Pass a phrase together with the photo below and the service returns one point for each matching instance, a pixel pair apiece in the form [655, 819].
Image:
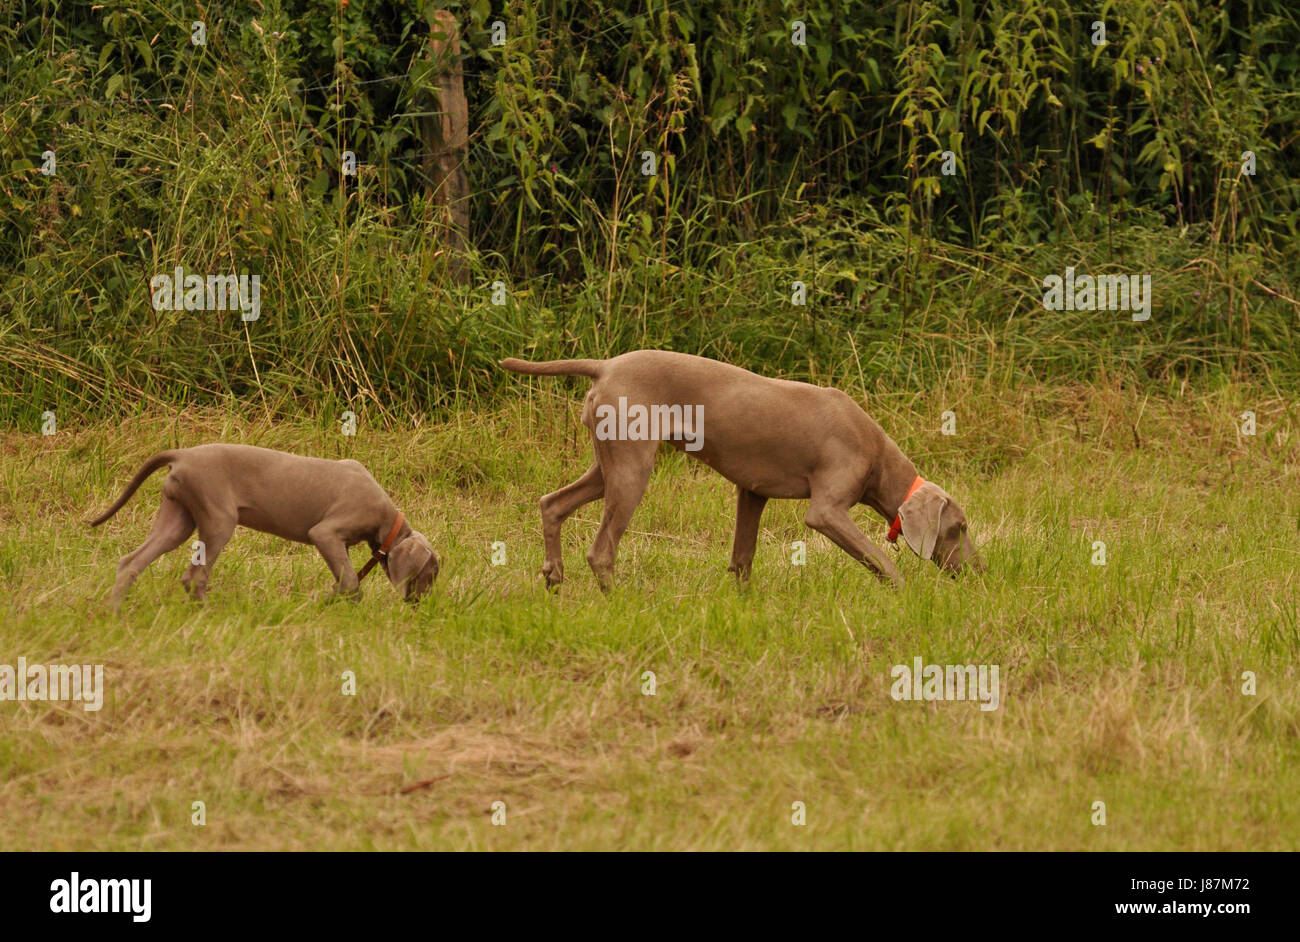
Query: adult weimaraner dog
[330, 504]
[772, 438]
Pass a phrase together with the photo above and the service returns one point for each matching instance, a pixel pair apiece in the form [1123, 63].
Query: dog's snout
[970, 560]
[961, 557]
[419, 585]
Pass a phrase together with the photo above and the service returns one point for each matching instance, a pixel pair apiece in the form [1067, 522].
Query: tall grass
[1121, 683]
[776, 163]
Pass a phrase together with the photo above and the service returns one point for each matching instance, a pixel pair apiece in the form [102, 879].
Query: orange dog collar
[896, 527]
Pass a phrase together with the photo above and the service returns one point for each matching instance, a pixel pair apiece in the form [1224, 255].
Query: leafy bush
[775, 163]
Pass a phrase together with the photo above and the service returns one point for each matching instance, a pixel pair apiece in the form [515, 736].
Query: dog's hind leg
[626, 467]
[556, 508]
[214, 532]
[170, 528]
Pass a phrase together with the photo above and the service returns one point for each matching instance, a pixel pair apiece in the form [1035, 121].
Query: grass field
[1121, 683]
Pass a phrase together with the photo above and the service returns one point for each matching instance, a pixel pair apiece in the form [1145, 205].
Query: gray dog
[772, 438]
[330, 504]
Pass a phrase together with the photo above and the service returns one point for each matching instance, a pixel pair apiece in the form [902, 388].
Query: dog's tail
[149, 467]
[592, 368]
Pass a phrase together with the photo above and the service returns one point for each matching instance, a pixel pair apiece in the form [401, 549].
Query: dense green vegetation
[775, 163]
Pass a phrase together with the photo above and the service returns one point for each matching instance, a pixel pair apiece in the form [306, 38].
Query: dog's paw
[553, 573]
[742, 573]
[338, 595]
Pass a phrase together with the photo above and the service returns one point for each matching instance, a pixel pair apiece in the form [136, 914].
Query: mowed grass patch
[1120, 683]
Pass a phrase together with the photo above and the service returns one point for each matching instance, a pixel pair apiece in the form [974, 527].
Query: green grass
[1120, 683]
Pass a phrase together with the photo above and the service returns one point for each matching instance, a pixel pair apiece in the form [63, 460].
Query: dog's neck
[385, 529]
[893, 479]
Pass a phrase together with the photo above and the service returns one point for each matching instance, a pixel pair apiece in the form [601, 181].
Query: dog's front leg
[335, 553]
[834, 521]
[749, 507]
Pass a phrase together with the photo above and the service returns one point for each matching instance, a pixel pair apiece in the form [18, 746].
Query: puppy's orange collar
[896, 527]
[384, 547]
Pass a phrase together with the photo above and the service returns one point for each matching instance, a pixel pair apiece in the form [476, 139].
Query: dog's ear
[412, 565]
[920, 515]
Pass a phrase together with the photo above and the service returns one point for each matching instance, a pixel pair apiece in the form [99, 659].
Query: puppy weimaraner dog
[772, 438]
[330, 504]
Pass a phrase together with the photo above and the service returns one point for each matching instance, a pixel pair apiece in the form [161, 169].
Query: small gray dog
[330, 504]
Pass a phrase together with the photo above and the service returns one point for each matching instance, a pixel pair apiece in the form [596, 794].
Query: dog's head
[935, 527]
[413, 565]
